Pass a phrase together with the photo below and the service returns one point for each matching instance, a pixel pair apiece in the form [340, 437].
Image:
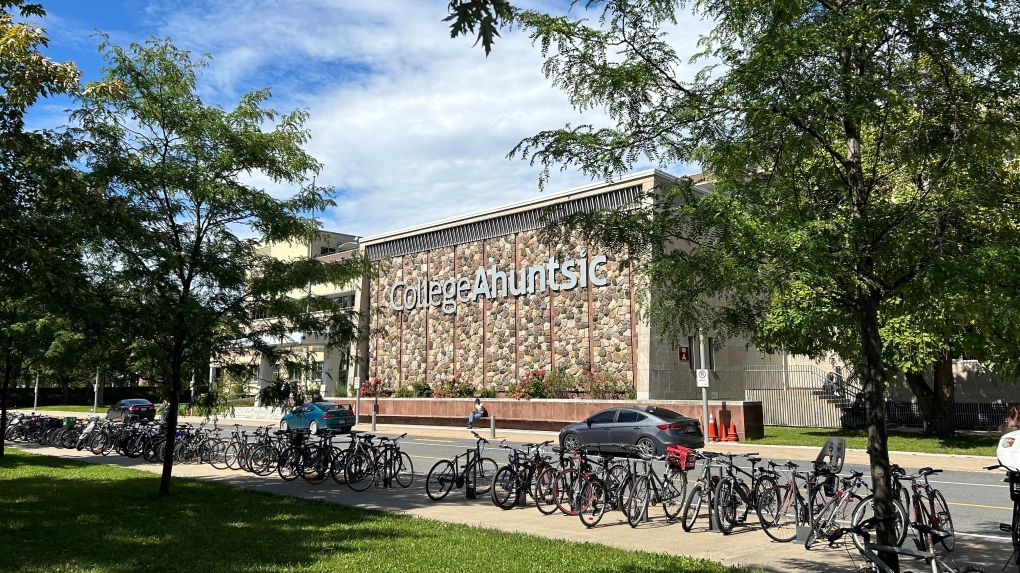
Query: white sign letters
[489, 283]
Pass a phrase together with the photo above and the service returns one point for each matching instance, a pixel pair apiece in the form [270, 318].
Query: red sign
[685, 353]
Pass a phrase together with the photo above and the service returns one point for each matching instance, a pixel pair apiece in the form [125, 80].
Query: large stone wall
[494, 342]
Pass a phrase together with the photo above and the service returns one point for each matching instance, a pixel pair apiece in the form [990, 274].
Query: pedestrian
[164, 410]
[478, 412]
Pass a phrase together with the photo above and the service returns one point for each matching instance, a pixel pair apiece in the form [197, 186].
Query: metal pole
[35, 405]
[373, 421]
[95, 390]
[357, 389]
[704, 391]
[492, 427]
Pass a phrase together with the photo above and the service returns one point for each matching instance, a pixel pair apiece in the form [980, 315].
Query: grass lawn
[900, 441]
[82, 409]
[66, 516]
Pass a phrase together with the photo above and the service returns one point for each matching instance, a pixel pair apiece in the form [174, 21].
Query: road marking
[992, 537]
[978, 505]
[977, 484]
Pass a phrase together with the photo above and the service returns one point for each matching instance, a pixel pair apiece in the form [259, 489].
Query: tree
[38, 191]
[185, 257]
[850, 146]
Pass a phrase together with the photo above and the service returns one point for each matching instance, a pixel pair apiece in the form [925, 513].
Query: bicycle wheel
[360, 470]
[316, 464]
[944, 519]
[565, 491]
[762, 485]
[217, 455]
[728, 504]
[593, 500]
[440, 480]
[692, 507]
[486, 469]
[637, 507]
[289, 464]
[230, 456]
[777, 513]
[339, 466]
[404, 470]
[616, 477]
[674, 493]
[544, 490]
[626, 490]
[504, 488]
[261, 460]
[866, 509]
[824, 522]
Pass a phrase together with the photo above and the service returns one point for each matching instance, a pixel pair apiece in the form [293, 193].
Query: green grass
[66, 516]
[82, 409]
[900, 441]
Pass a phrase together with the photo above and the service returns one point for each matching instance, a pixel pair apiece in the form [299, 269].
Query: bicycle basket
[680, 458]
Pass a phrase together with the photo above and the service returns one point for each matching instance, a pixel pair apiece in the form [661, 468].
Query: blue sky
[411, 126]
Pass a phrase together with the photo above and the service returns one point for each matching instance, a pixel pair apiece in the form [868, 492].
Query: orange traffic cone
[731, 436]
[713, 436]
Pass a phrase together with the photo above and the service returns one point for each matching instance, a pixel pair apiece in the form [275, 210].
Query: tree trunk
[8, 374]
[873, 379]
[171, 420]
[938, 404]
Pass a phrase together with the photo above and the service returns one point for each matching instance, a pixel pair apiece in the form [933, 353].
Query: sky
[410, 125]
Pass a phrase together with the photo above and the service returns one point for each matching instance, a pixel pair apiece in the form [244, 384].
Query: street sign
[357, 384]
[702, 378]
[684, 353]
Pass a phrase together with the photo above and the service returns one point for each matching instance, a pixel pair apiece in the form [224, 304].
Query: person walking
[164, 410]
[478, 412]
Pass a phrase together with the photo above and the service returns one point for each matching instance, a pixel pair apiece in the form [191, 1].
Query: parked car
[318, 415]
[140, 407]
[1008, 451]
[650, 428]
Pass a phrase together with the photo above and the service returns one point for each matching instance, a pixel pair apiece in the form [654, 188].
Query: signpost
[702, 378]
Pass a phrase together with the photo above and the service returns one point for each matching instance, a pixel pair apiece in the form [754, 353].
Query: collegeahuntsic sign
[553, 275]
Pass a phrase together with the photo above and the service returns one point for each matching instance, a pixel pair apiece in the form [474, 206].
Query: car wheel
[284, 426]
[313, 428]
[571, 441]
[647, 446]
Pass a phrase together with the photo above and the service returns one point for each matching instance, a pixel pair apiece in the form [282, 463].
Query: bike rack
[472, 475]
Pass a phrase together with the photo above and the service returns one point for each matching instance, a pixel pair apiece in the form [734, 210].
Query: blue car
[318, 415]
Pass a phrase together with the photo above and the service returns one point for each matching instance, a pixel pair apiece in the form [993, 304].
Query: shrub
[374, 388]
[489, 392]
[559, 383]
[531, 386]
[602, 385]
[452, 388]
[422, 390]
[404, 392]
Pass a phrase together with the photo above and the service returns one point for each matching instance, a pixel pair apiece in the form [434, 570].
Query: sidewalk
[746, 546]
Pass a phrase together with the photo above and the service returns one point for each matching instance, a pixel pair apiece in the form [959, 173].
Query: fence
[802, 396]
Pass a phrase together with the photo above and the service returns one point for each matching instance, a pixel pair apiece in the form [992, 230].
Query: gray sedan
[650, 428]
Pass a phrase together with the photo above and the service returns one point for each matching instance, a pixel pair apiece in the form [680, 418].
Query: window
[606, 417]
[630, 417]
[317, 370]
[343, 301]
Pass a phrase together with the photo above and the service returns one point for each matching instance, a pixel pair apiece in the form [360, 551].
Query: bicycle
[448, 473]
[394, 464]
[835, 510]
[1013, 476]
[934, 513]
[861, 534]
[520, 475]
[783, 508]
[734, 498]
[648, 488]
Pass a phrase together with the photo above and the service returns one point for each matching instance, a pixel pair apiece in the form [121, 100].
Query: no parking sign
[702, 378]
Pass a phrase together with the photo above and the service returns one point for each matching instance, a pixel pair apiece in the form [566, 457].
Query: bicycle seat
[791, 465]
[753, 459]
[936, 534]
[855, 474]
[927, 471]
[558, 450]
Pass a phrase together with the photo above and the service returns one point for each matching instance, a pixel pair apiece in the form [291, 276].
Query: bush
[404, 392]
[374, 388]
[452, 388]
[489, 392]
[422, 390]
[529, 387]
[559, 384]
[602, 385]
[341, 391]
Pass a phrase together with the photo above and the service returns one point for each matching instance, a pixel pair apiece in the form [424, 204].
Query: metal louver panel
[500, 226]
